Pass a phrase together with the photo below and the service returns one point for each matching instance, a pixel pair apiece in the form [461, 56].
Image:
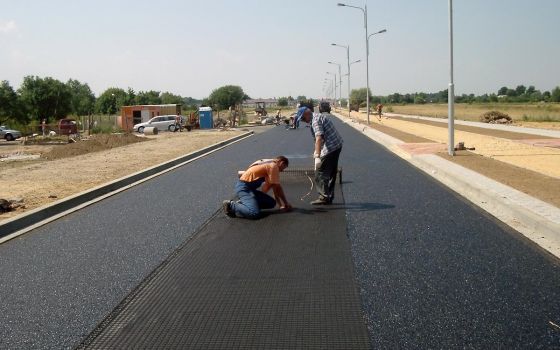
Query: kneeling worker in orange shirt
[265, 172]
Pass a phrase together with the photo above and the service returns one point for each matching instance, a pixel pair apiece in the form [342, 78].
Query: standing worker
[379, 109]
[328, 145]
[178, 122]
[265, 172]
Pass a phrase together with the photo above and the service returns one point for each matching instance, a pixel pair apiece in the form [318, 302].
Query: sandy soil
[534, 170]
[64, 170]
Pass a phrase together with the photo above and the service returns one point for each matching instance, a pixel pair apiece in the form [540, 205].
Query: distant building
[270, 102]
[131, 115]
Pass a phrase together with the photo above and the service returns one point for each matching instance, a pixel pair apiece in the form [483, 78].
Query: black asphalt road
[434, 271]
[285, 281]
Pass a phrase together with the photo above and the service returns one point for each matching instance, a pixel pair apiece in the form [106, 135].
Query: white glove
[317, 163]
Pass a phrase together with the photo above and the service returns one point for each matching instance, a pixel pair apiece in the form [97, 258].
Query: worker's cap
[300, 112]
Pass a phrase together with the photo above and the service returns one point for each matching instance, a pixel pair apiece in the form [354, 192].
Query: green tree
[536, 96]
[148, 98]
[395, 98]
[45, 98]
[511, 93]
[358, 97]
[555, 94]
[520, 90]
[130, 97]
[111, 100]
[420, 99]
[9, 105]
[503, 91]
[82, 99]
[169, 98]
[282, 101]
[227, 96]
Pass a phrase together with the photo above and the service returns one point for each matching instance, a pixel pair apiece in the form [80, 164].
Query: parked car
[9, 134]
[162, 122]
[67, 127]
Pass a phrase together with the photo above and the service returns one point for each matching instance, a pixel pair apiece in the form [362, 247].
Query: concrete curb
[40, 216]
[535, 219]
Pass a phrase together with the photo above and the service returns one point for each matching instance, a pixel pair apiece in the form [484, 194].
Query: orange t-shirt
[263, 168]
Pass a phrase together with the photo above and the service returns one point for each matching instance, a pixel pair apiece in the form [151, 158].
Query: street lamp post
[451, 90]
[334, 84]
[339, 80]
[347, 47]
[364, 10]
[372, 34]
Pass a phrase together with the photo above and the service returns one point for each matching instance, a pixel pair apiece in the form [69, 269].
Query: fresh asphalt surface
[434, 271]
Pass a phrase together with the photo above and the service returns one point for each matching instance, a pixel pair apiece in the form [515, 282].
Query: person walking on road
[379, 109]
[252, 201]
[328, 145]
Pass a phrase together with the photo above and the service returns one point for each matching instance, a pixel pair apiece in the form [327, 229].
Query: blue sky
[280, 48]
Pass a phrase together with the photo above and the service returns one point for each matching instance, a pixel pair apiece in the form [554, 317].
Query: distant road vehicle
[67, 127]
[162, 122]
[9, 134]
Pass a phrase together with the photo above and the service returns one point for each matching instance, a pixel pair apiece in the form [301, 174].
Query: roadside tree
[9, 105]
[46, 98]
[111, 100]
[555, 94]
[169, 98]
[151, 97]
[82, 99]
[227, 96]
[358, 97]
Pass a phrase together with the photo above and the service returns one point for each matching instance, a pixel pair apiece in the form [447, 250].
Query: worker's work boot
[321, 201]
[226, 205]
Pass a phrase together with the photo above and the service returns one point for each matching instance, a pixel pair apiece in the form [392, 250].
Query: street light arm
[355, 7]
[379, 32]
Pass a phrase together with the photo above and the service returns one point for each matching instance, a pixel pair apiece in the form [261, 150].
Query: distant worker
[252, 201]
[328, 145]
[278, 116]
[178, 122]
[379, 109]
[299, 115]
[44, 126]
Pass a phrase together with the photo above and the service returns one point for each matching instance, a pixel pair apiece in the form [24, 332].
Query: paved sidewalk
[534, 218]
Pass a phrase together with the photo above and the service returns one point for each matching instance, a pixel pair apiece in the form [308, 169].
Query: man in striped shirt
[328, 145]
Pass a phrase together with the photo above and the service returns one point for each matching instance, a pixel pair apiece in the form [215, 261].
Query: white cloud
[6, 27]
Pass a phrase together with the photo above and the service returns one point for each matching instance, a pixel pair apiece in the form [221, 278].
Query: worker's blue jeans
[251, 200]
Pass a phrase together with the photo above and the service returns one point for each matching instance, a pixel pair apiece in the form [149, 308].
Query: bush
[495, 117]
[103, 129]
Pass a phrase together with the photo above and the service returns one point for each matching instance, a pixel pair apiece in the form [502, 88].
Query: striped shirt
[323, 126]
